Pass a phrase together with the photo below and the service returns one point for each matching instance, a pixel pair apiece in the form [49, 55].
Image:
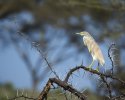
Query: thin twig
[110, 57]
[22, 96]
[108, 86]
[50, 67]
[65, 96]
[39, 50]
[120, 97]
[37, 47]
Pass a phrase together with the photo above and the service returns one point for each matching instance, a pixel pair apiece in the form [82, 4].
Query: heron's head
[84, 33]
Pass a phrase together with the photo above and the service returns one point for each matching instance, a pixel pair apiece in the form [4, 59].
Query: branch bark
[64, 85]
[93, 72]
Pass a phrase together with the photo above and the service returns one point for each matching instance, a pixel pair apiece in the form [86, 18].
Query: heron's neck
[84, 37]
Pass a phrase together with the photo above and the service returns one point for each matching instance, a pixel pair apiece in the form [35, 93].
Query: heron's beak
[77, 33]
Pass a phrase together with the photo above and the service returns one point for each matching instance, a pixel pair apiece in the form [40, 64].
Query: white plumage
[92, 47]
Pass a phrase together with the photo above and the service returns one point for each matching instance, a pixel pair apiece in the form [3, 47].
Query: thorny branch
[120, 97]
[110, 57]
[37, 47]
[93, 72]
[108, 86]
[43, 94]
[50, 67]
[68, 87]
[22, 96]
[101, 75]
[64, 85]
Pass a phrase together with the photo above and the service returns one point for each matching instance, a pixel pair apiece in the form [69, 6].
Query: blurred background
[51, 25]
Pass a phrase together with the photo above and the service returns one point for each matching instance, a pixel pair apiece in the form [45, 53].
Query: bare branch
[22, 96]
[120, 97]
[45, 91]
[37, 47]
[64, 85]
[93, 72]
[108, 86]
[50, 67]
[110, 56]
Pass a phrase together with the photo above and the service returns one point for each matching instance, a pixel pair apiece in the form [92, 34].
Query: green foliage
[6, 90]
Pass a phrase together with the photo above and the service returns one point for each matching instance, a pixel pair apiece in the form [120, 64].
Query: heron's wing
[88, 41]
[98, 54]
[94, 49]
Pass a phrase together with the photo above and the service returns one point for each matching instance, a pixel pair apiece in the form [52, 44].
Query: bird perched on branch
[93, 48]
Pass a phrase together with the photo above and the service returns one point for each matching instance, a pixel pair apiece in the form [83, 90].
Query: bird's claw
[97, 69]
[89, 67]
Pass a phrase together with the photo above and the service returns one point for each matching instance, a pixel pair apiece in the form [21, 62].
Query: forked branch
[93, 72]
[64, 85]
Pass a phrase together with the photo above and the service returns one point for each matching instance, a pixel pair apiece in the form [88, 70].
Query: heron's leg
[90, 66]
[97, 68]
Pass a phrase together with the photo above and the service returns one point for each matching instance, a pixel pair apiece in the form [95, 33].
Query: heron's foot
[89, 67]
[97, 69]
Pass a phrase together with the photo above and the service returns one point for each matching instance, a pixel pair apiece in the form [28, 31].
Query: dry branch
[108, 86]
[22, 96]
[93, 72]
[69, 88]
[62, 84]
[120, 97]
